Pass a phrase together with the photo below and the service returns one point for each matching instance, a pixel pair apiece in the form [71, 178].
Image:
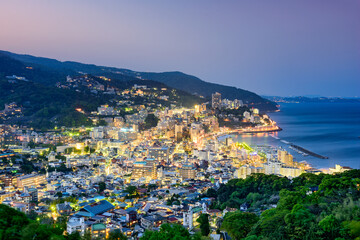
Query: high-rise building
[216, 100]
[285, 157]
[178, 132]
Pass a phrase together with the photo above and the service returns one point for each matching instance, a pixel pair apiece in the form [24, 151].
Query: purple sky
[278, 47]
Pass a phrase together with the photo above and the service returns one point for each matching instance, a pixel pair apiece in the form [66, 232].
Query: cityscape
[95, 152]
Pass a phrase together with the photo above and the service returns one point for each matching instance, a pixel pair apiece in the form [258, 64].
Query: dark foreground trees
[169, 232]
[308, 207]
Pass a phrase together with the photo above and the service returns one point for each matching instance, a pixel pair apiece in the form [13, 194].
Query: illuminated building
[272, 167]
[290, 172]
[216, 100]
[247, 170]
[5, 195]
[31, 180]
[145, 169]
[178, 132]
[187, 172]
[75, 224]
[285, 157]
[196, 131]
[339, 169]
[97, 133]
[152, 221]
[99, 231]
[159, 153]
[9, 180]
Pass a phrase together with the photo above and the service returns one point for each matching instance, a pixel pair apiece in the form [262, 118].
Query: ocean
[328, 129]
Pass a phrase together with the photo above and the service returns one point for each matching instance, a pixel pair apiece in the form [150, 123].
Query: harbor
[299, 149]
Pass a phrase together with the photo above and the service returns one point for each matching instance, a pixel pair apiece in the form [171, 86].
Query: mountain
[40, 97]
[178, 80]
[185, 82]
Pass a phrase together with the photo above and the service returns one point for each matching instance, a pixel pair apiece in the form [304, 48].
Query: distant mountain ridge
[56, 71]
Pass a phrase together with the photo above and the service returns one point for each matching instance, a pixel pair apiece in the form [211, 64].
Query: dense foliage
[16, 225]
[204, 224]
[238, 224]
[46, 107]
[169, 232]
[151, 121]
[308, 207]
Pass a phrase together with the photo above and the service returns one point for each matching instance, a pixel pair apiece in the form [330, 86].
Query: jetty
[308, 152]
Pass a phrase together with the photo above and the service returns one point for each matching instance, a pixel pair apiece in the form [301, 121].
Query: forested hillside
[308, 207]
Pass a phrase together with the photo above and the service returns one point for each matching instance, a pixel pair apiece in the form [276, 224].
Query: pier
[308, 152]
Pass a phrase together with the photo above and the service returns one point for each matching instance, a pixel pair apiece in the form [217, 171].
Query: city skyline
[271, 48]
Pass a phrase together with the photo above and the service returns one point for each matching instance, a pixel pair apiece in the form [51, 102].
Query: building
[290, 172]
[31, 180]
[34, 194]
[178, 132]
[99, 231]
[5, 195]
[196, 131]
[159, 153]
[246, 170]
[152, 221]
[131, 218]
[75, 225]
[97, 133]
[339, 169]
[145, 169]
[63, 208]
[106, 110]
[216, 100]
[272, 167]
[190, 216]
[187, 172]
[96, 208]
[285, 157]
[9, 180]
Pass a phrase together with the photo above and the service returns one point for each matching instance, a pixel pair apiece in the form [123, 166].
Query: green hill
[45, 106]
[178, 80]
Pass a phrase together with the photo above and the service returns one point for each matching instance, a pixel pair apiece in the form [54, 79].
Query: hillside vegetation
[308, 207]
[178, 80]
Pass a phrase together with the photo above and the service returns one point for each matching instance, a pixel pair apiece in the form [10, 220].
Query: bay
[328, 129]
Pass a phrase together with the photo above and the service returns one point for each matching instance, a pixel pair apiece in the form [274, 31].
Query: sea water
[328, 129]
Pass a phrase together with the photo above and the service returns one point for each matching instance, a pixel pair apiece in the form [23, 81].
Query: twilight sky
[273, 47]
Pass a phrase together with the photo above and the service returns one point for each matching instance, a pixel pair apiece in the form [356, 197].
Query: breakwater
[308, 152]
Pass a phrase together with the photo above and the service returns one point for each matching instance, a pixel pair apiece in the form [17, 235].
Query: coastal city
[179, 120]
[134, 173]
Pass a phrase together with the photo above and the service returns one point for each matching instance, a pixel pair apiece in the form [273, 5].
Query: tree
[11, 223]
[151, 121]
[238, 224]
[130, 189]
[331, 226]
[204, 224]
[211, 193]
[116, 235]
[271, 220]
[73, 236]
[102, 186]
[41, 232]
[168, 232]
[58, 194]
[298, 222]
